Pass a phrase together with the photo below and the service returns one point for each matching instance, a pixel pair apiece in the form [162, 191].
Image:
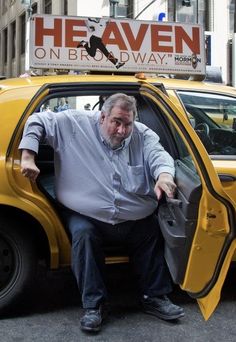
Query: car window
[147, 113]
[220, 108]
[58, 104]
[213, 117]
[183, 152]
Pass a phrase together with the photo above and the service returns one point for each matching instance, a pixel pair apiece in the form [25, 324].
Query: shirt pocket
[134, 180]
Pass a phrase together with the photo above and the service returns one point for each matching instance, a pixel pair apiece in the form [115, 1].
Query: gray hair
[125, 102]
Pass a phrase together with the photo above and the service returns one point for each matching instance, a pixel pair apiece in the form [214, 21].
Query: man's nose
[121, 129]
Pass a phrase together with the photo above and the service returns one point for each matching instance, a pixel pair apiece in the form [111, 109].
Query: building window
[232, 16]
[121, 8]
[202, 14]
[4, 6]
[34, 8]
[23, 33]
[188, 11]
[5, 34]
[13, 32]
[171, 10]
[65, 7]
[48, 7]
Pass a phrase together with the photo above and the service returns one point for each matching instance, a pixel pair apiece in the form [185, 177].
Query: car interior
[213, 118]
[217, 140]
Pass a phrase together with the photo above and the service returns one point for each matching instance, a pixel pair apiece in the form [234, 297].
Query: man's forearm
[27, 155]
[28, 166]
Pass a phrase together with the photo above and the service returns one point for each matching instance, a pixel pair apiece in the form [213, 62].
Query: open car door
[198, 225]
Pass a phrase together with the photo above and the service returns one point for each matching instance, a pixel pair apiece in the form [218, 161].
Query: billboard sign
[107, 44]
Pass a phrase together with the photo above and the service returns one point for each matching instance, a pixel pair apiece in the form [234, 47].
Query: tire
[18, 263]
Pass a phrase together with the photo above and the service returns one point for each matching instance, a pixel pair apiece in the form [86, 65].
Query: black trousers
[143, 241]
[96, 43]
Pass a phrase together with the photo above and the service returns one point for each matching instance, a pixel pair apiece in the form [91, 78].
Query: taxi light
[141, 76]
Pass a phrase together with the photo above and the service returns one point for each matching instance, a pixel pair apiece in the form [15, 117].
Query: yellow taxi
[198, 225]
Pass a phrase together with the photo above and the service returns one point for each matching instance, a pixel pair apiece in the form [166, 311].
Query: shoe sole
[93, 329]
[89, 329]
[164, 317]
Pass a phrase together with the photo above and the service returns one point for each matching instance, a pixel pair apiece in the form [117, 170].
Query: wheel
[203, 127]
[203, 131]
[18, 263]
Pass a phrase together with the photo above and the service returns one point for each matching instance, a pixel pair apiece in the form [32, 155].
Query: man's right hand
[28, 166]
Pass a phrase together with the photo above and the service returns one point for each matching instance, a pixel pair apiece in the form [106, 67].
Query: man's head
[117, 118]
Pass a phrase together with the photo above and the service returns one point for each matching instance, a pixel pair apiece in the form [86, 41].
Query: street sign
[108, 44]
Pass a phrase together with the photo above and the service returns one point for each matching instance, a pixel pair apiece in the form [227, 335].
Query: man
[95, 29]
[110, 172]
[63, 105]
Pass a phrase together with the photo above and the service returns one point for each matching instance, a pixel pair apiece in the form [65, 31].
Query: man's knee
[81, 228]
[147, 230]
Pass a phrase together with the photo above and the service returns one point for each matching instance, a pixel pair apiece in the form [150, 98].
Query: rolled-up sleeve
[42, 126]
[33, 133]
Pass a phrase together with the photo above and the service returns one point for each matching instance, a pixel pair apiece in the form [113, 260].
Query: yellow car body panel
[227, 167]
[208, 303]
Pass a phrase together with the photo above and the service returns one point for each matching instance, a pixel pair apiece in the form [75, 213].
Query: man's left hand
[165, 183]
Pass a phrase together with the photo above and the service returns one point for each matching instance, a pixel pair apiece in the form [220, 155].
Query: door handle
[226, 177]
[174, 201]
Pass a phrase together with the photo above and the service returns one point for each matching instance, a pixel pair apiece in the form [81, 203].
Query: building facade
[217, 18]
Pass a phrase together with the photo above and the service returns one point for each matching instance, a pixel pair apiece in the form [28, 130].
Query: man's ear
[102, 117]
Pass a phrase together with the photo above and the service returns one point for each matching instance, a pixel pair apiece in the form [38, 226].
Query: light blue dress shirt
[112, 186]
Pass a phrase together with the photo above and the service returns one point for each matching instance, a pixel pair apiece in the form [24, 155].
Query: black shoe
[92, 320]
[119, 65]
[81, 44]
[161, 307]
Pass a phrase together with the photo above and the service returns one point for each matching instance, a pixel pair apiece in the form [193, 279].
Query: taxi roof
[169, 83]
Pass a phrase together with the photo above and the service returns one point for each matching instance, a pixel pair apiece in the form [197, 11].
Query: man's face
[117, 126]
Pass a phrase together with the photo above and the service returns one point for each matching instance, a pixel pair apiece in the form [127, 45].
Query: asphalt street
[51, 313]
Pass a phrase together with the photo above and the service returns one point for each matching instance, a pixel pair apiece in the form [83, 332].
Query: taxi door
[198, 225]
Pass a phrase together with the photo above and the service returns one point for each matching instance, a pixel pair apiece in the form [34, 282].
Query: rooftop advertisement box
[107, 44]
